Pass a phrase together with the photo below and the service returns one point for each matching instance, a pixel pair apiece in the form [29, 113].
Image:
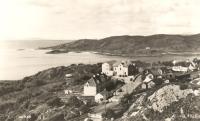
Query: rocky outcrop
[169, 102]
[167, 95]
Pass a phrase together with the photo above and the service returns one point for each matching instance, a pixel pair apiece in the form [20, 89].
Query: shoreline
[127, 55]
[186, 54]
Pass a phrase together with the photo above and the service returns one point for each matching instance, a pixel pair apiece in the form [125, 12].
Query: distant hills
[153, 45]
[29, 44]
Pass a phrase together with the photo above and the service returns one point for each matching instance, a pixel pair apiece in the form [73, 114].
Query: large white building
[120, 69]
[107, 69]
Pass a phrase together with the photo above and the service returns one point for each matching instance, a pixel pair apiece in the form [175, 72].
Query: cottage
[102, 96]
[157, 72]
[184, 66]
[97, 116]
[192, 67]
[25, 116]
[149, 77]
[180, 68]
[147, 85]
[68, 75]
[90, 87]
[96, 84]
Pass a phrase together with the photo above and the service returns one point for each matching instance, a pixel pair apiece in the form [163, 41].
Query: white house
[99, 98]
[147, 82]
[25, 116]
[96, 116]
[106, 69]
[90, 88]
[148, 85]
[180, 68]
[68, 75]
[148, 78]
[120, 69]
[192, 67]
[184, 67]
[102, 96]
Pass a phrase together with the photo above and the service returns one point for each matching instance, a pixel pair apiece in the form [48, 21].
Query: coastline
[51, 51]
[108, 56]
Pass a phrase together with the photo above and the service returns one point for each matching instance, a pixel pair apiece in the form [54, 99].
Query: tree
[126, 98]
[55, 101]
[191, 106]
[84, 109]
[109, 114]
[57, 117]
[74, 101]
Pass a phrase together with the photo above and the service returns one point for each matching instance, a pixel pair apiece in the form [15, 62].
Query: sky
[76, 19]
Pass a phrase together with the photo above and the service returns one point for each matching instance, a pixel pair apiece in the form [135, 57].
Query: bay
[17, 63]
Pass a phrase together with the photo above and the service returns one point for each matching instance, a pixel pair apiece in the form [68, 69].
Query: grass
[43, 88]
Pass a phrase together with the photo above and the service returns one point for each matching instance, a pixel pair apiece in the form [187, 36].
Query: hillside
[134, 45]
[29, 44]
[42, 97]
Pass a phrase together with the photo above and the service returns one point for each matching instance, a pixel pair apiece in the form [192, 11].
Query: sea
[19, 59]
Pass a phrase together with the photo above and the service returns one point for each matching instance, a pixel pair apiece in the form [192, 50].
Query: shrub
[125, 99]
[183, 86]
[38, 82]
[70, 116]
[109, 114]
[74, 101]
[33, 117]
[55, 101]
[57, 117]
[84, 109]
[6, 107]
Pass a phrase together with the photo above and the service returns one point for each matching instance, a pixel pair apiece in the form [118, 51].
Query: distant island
[154, 45]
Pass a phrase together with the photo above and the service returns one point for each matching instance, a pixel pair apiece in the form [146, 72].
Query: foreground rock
[168, 103]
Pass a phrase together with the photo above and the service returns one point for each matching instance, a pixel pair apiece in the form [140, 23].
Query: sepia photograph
[99, 60]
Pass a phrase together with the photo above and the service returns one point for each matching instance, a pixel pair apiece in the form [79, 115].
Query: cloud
[40, 3]
[73, 19]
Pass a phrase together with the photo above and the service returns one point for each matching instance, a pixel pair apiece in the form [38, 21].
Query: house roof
[110, 62]
[148, 78]
[116, 64]
[156, 72]
[183, 64]
[98, 79]
[195, 73]
[104, 93]
[125, 64]
[92, 82]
